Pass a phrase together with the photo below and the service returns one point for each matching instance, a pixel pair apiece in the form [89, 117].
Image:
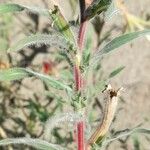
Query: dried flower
[111, 97]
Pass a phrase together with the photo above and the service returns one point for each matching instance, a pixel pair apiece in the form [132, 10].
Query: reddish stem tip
[80, 133]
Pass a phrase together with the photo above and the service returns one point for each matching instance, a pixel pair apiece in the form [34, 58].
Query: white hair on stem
[57, 120]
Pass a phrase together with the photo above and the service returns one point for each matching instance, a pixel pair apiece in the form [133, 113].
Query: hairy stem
[80, 135]
[77, 74]
[81, 35]
[77, 77]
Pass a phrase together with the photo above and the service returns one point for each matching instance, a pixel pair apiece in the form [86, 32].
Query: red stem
[78, 84]
[80, 135]
[78, 77]
[81, 35]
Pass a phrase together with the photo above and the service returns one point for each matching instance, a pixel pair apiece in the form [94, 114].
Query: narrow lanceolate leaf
[11, 8]
[5, 8]
[12, 74]
[49, 80]
[88, 46]
[116, 71]
[40, 39]
[118, 42]
[61, 24]
[97, 7]
[126, 133]
[35, 143]
[123, 39]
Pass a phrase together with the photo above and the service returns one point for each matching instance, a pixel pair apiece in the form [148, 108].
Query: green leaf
[39, 39]
[12, 74]
[5, 8]
[88, 46]
[11, 8]
[61, 24]
[58, 19]
[49, 80]
[36, 143]
[116, 43]
[123, 39]
[97, 7]
[20, 73]
[126, 133]
[116, 71]
[136, 143]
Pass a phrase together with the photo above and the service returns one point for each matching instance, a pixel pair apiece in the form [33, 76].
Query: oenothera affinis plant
[78, 96]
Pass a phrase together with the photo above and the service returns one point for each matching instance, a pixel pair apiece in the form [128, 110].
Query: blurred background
[26, 105]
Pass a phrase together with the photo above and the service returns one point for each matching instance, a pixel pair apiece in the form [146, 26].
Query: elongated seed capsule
[111, 97]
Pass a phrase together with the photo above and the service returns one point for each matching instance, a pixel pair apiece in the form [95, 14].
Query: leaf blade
[123, 39]
[36, 143]
[96, 7]
[127, 132]
[50, 80]
[12, 74]
[116, 71]
[116, 43]
[12, 8]
[47, 39]
[6, 8]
